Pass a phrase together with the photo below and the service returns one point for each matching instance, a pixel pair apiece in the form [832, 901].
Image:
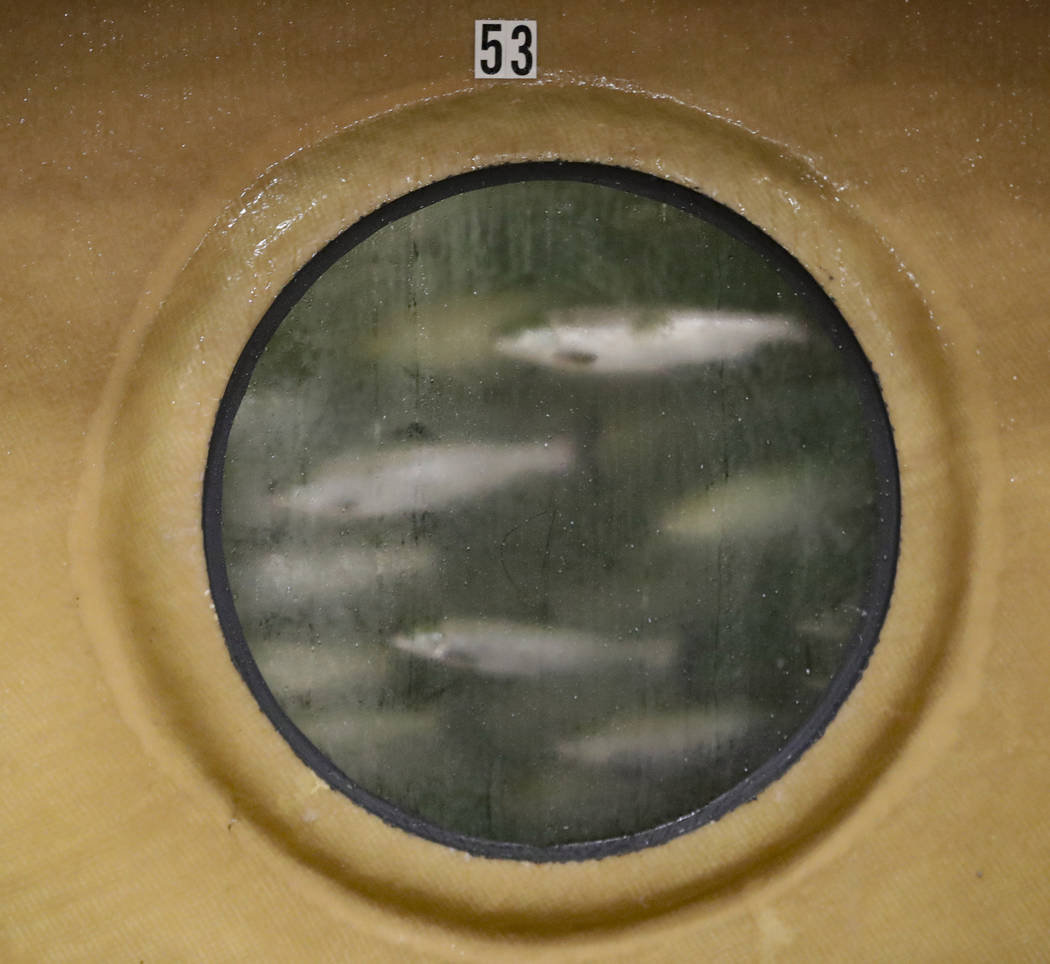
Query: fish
[665, 739]
[321, 576]
[833, 626]
[369, 485]
[507, 649]
[611, 341]
[301, 675]
[451, 334]
[759, 503]
[365, 742]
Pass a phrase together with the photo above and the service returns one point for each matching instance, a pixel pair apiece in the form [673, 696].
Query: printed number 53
[491, 44]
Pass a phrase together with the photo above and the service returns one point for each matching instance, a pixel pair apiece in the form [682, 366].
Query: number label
[505, 49]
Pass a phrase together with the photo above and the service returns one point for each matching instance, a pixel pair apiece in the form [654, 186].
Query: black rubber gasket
[881, 445]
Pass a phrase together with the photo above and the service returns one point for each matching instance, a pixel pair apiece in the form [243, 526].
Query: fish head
[536, 345]
[438, 647]
[429, 645]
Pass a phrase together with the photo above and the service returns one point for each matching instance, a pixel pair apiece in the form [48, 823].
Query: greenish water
[549, 513]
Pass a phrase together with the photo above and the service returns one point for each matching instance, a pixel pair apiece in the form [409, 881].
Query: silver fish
[638, 340]
[668, 739]
[325, 576]
[451, 334]
[269, 412]
[364, 741]
[508, 649]
[415, 478]
[758, 503]
[833, 626]
[298, 674]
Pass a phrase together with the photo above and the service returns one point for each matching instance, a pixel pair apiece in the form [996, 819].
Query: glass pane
[554, 509]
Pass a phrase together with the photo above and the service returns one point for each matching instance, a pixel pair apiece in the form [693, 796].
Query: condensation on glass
[557, 513]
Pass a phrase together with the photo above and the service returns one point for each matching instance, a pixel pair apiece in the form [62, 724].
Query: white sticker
[505, 49]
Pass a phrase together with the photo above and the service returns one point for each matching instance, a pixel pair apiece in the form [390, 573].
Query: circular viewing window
[551, 511]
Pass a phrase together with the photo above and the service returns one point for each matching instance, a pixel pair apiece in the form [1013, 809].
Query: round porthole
[551, 511]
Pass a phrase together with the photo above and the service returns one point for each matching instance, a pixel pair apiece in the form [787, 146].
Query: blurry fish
[361, 741]
[667, 739]
[764, 502]
[316, 577]
[267, 412]
[636, 340]
[836, 625]
[414, 478]
[318, 675]
[450, 334]
[497, 648]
